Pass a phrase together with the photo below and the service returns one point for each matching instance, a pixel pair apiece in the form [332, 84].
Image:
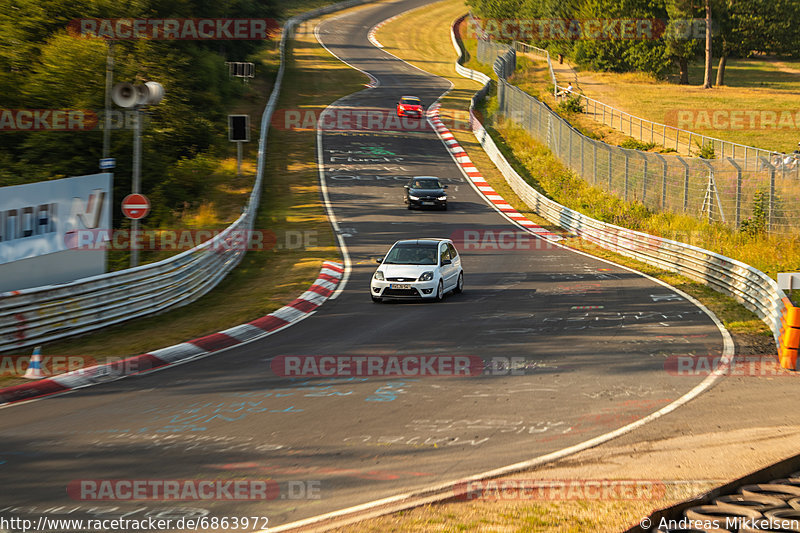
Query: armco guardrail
[754, 289]
[42, 314]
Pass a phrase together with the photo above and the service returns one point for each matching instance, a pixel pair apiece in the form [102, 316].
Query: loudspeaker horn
[125, 94]
[155, 92]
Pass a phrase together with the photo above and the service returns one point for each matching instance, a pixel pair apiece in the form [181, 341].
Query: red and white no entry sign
[135, 206]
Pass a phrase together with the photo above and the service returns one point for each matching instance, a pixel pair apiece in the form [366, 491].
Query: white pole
[135, 185]
[239, 158]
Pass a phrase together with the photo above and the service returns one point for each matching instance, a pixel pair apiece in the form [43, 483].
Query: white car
[419, 268]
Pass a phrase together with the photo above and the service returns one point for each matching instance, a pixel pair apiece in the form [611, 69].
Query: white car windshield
[412, 254]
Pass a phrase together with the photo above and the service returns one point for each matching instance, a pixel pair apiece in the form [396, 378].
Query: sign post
[135, 206]
[239, 132]
[135, 97]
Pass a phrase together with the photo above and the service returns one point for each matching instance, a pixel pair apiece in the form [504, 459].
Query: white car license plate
[427, 203]
[399, 286]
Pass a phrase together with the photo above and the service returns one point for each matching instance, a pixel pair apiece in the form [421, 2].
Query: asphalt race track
[591, 339]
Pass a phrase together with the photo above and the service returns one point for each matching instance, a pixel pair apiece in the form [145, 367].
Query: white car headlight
[443, 197]
[379, 275]
[426, 276]
[412, 197]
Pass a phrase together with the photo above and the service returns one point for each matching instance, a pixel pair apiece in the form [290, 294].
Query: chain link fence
[754, 192]
[682, 141]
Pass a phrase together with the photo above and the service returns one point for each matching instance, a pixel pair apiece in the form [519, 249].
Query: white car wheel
[459, 284]
[440, 291]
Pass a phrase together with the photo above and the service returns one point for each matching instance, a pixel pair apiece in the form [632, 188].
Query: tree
[726, 42]
[679, 37]
[43, 66]
[708, 67]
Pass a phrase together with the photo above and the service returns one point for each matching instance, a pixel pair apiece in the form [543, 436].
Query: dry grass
[752, 85]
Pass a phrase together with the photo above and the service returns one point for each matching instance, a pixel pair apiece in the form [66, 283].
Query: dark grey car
[425, 191]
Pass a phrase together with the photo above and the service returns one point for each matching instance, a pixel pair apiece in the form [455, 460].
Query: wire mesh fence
[671, 137]
[757, 193]
[682, 141]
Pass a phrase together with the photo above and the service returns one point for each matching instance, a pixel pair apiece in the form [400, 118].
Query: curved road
[345, 441]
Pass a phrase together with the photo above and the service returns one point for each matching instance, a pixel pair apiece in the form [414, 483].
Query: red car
[409, 106]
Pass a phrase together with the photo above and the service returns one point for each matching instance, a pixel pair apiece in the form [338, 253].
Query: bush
[633, 144]
[757, 224]
[706, 151]
[186, 183]
[571, 105]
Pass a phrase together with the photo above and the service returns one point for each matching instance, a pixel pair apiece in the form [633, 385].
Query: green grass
[264, 281]
[754, 73]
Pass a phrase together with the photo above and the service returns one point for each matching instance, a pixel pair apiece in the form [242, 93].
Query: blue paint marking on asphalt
[238, 406]
[4, 461]
[389, 391]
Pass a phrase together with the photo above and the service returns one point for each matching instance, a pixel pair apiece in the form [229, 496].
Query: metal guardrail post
[501, 91]
[550, 136]
[663, 181]
[685, 183]
[738, 217]
[610, 185]
[644, 176]
[594, 162]
[771, 217]
[559, 152]
[529, 120]
[569, 141]
[625, 153]
[540, 111]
